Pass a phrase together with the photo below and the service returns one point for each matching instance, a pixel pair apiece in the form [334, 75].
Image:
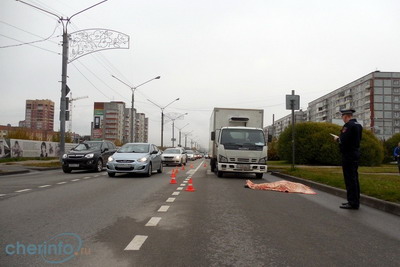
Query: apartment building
[375, 97]
[141, 128]
[109, 121]
[39, 115]
[281, 124]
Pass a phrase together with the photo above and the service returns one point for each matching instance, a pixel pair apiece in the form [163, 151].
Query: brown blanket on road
[282, 186]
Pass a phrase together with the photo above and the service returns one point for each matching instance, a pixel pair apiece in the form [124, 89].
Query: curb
[14, 172]
[379, 204]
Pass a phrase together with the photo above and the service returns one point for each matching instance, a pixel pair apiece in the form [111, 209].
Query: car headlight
[110, 159]
[144, 159]
[263, 160]
[177, 157]
[65, 156]
[89, 156]
[223, 159]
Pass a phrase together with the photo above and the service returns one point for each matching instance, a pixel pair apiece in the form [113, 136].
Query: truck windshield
[242, 138]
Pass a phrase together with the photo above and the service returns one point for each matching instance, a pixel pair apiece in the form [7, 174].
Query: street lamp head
[158, 77]
[177, 99]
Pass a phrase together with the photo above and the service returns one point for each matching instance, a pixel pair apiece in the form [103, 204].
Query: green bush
[389, 146]
[315, 145]
[273, 150]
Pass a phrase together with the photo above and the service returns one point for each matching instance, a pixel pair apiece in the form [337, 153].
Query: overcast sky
[209, 53]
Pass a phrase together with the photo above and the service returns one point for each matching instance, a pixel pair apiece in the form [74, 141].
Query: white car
[174, 156]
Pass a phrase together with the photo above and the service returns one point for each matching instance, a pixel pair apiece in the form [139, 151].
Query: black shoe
[348, 207]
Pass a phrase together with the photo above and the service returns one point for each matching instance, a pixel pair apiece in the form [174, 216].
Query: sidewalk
[19, 167]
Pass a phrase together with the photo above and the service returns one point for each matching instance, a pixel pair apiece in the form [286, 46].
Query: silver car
[175, 156]
[135, 158]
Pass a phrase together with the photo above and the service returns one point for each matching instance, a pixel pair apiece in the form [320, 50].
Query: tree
[315, 145]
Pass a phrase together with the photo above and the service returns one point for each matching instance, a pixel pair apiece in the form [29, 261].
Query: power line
[28, 43]
[90, 81]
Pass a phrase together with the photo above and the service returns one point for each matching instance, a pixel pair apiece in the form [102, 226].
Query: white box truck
[237, 143]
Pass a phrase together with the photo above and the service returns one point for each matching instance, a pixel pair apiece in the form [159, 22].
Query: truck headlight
[222, 159]
[263, 160]
[144, 159]
[89, 156]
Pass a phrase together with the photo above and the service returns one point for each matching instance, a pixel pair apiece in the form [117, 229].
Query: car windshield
[190, 151]
[87, 146]
[134, 148]
[172, 151]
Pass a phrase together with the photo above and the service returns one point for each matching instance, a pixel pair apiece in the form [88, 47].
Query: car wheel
[150, 170]
[111, 174]
[66, 170]
[160, 170]
[259, 175]
[99, 165]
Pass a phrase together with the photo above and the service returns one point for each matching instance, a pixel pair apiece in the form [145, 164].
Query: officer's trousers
[350, 173]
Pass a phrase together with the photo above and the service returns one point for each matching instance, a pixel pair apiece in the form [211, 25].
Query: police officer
[349, 143]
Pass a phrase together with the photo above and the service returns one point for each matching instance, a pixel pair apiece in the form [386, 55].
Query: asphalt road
[140, 221]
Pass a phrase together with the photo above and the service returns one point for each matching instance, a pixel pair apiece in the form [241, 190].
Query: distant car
[190, 155]
[89, 155]
[174, 156]
[135, 158]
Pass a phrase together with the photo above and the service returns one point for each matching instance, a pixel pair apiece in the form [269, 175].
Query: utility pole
[64, 87]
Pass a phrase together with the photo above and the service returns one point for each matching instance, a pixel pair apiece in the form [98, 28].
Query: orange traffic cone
[183, 167]
[173, 175]
[191, 165]
[205, 165]
[190, 187]
[176, 170]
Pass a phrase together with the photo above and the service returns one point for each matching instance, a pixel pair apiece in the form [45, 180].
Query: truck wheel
[220, 174]
[259, 175]
[212, 165]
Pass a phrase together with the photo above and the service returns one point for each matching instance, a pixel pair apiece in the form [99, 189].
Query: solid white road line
[170, 199]
[163, 208]
[43, 186]
[179, 188]
[62, 183]
[176, 193]
[153, 221]
[136, 242]
[23, 190]
[75, 180]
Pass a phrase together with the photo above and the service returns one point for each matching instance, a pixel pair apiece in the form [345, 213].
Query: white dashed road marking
[23, 190]
[176, 193]
[75, 180]
[179, 188]
[183, 184]
[163, 209]
[87, 177]
[170, 199]
[2, 195]
[153, 221]
[62, 183]
[136, 242]
[43, 186]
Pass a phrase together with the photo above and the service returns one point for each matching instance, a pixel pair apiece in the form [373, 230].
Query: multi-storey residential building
[280, 125]
[39, 115]
[375, 97]
[109, 121]
[141, 128]
[112, 121]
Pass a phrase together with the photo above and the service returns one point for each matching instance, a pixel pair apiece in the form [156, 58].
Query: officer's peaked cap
[347, 111]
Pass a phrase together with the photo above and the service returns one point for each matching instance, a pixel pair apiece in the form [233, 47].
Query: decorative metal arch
[92, 40]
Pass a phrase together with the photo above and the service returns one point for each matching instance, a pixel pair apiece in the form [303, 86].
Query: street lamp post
[180, 133]
[133, 89]
[162, 117]
[186, 135]
[173, 127]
